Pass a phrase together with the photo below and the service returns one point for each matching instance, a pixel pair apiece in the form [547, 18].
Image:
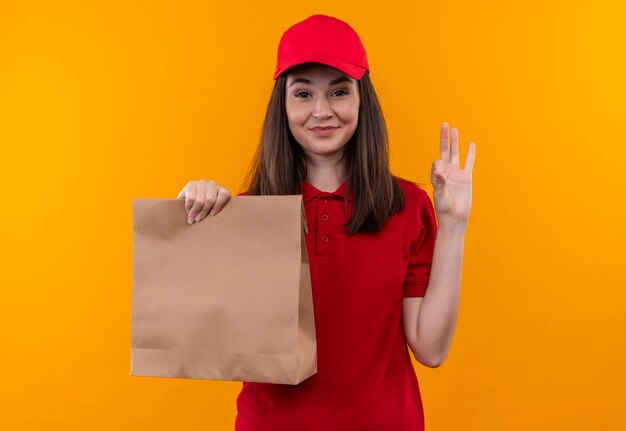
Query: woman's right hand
[202, 198]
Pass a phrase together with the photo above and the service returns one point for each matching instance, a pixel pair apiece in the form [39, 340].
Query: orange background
[103, 102]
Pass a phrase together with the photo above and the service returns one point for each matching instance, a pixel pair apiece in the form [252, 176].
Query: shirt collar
[309, 192]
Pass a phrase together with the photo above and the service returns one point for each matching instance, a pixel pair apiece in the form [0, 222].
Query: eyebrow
[308, 81]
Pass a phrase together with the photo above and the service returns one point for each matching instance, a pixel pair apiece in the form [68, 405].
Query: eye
[341, 92]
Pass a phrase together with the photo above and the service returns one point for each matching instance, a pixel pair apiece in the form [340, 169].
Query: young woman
[383, 273]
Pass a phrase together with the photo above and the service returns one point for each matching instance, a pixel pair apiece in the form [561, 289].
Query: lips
[323, 128]
[324, 131]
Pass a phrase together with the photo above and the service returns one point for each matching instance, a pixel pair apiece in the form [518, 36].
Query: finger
[469, 160]
[190, 193]
[181, 195]
[454, 146]
[199, 202]
[209, 200]
[437, 175]
[444, 150]
[222, 197]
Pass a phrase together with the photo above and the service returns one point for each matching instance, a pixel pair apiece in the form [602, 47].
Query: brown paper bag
[228, 298]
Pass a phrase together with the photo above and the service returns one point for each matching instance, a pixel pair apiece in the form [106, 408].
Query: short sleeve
[421, 248]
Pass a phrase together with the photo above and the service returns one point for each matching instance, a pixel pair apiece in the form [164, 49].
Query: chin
[322, 150]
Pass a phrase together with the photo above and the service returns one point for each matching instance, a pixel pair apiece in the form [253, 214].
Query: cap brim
[349, 69]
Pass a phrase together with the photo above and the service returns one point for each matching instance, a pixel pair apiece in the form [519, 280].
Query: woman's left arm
[430, 321]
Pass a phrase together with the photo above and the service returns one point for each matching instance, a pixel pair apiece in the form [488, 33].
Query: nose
[322, 108]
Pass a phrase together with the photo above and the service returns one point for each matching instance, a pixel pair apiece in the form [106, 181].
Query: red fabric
[365, 378]
[322, 39]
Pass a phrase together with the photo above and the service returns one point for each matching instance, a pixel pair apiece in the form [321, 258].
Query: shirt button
[324, 217]
[324, 200]
[325, 239]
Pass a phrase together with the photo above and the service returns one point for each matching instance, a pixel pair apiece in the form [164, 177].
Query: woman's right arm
[202, 198]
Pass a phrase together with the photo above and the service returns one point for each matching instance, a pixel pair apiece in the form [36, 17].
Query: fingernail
[198, 218]
[213, 212]
[190, 221]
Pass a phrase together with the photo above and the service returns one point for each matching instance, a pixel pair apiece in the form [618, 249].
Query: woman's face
[321, 96]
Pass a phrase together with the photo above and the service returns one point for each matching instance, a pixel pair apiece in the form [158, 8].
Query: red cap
[322, 39]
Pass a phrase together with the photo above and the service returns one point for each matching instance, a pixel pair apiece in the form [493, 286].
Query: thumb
[438, 175]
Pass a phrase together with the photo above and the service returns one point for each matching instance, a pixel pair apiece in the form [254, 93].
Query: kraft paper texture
[226, 298]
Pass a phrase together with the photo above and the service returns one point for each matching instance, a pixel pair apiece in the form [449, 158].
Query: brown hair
[279, 164]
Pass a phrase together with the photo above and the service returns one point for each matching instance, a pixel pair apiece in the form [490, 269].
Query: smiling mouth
[324, 131]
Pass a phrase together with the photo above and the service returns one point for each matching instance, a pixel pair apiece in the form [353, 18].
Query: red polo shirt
[365, 379]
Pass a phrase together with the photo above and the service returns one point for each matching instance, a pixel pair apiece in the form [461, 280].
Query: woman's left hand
[452, 185]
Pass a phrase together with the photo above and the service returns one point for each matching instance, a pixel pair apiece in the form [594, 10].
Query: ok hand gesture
[452, 185]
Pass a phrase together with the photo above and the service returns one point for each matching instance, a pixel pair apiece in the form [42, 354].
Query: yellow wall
[103, 102]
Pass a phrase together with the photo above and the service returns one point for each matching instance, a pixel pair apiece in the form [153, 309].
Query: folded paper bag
[226, 298]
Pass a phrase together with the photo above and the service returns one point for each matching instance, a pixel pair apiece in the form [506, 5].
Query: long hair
[279, 164]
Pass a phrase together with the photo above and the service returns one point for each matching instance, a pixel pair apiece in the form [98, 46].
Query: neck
[325, 176]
